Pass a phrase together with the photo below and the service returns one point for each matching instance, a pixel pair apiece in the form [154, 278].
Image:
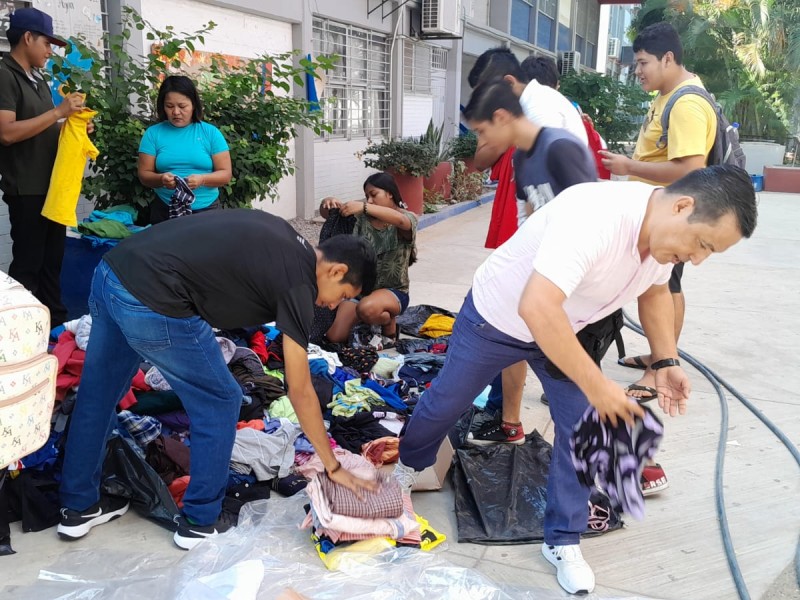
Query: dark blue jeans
[187, 354]
[476, 354]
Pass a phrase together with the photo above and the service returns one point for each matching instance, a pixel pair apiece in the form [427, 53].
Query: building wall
[337, 170]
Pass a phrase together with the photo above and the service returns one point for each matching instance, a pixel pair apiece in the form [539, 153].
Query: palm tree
[746, 51]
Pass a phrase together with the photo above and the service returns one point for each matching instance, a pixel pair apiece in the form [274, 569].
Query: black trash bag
[414, 318]
[126, 474]
[32, 497]
[501, 494]
[5, 530]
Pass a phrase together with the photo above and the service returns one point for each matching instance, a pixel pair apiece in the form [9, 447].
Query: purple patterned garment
[613, 457]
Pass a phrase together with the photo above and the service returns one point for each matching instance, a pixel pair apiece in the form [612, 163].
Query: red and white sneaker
[653, 480]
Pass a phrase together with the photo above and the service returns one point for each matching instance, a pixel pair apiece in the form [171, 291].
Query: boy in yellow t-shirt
[692, 131]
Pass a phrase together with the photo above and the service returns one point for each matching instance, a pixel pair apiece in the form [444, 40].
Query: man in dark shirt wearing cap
[28, 143]
[157, 296]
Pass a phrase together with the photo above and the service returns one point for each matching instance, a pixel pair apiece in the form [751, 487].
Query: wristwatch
[664, 363]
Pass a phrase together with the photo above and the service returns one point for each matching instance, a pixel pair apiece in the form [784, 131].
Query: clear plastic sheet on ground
[265, 555]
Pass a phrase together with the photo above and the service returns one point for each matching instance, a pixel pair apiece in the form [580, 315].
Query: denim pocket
[145, 330]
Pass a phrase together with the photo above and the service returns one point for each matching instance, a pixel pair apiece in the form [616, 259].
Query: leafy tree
[746, 51]
[250, 102]
[615, 108]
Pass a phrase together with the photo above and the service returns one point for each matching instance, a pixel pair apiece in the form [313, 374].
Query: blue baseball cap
[31, 19]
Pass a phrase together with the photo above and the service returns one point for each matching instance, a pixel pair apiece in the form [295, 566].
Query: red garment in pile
[503, 223]
[70, 368]
[258, 344]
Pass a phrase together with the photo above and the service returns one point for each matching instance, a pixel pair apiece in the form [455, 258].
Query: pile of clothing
[365, 396]
[338, 516]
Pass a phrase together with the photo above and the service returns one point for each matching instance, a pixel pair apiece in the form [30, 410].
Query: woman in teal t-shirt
[182, 144]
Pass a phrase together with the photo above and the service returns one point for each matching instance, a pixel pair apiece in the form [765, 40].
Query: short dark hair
[14, 36]
[355, 252]
[490, 96]
[541, 68]
[182, 85]
[496, 63]
[658, 39]
[717, 191]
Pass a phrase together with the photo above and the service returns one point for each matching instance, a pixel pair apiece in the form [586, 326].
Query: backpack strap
[680, 93]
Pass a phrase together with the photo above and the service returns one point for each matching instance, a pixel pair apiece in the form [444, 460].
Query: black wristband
[336, 468]
[664, 363]
[365, 210]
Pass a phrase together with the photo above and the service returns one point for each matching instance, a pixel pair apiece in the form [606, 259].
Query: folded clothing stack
[337, 514]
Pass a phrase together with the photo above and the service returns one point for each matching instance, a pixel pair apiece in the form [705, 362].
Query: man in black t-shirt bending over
[157, 296]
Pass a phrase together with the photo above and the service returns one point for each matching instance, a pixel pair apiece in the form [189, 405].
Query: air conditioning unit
[614, 47]
[441, 18]
[570, 61]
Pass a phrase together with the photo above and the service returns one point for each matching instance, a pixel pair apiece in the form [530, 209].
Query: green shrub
[615, 108]
[463, 146]
[240, 100]
[403, 156]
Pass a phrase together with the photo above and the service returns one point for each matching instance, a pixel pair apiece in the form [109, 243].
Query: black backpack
[726, 149]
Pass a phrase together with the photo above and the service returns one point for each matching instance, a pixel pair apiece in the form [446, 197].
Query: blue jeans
[476, 354]
[188, 355]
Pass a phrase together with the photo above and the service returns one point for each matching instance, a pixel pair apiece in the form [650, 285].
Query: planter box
[782, 179]
[411, 190]
[439, 180]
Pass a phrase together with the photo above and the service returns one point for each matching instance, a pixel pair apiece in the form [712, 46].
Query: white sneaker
[574, 574]
[405, 476]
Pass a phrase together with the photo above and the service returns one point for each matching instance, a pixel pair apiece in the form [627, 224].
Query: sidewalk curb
[451, 211]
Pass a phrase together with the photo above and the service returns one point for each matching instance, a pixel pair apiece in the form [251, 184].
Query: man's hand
[618, 164]
[168, 181]
[73, 103]
[195, 181]
[90, 128]
[355, 484]
[351, 208]
[611, 403]
[673, 388]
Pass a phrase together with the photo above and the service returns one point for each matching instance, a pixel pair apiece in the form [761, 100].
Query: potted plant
[408, 161]
[463, 148]
[438, 181]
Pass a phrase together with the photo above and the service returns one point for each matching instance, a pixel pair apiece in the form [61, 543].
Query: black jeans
[37, 252]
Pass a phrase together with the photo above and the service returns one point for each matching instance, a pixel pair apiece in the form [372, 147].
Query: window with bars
[417, 62]
[357, 90]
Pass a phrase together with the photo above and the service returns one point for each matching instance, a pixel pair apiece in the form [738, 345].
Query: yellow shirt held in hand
[692, 129]
[74, 148]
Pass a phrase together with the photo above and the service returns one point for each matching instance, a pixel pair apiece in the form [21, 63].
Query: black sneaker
[497, 433]
[187, 536]
[76, 524]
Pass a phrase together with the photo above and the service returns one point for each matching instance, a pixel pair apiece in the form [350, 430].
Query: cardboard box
[432, 478]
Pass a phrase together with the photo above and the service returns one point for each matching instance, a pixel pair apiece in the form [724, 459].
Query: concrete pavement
[742, 321]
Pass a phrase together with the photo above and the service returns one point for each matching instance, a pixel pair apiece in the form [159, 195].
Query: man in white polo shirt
[585, 254]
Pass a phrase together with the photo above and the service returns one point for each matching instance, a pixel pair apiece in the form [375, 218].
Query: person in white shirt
[546, 107]
[588, 252]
